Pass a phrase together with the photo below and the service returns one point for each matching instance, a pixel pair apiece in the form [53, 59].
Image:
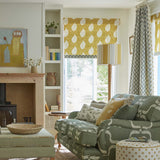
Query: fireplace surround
[26, 90]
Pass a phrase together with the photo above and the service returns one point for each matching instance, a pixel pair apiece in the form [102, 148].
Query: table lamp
[109, 54]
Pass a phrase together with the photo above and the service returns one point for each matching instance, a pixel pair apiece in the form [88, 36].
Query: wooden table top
[59, 113]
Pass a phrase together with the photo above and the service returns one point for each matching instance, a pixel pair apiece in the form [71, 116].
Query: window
[84, 81]
[156, 65]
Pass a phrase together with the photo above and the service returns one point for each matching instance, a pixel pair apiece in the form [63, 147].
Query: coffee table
[137, 150]
[26, 146]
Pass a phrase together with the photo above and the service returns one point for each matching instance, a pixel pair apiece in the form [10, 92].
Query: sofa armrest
[113, 130]
[73, 115]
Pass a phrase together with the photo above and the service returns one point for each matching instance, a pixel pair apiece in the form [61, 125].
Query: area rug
[62, 154]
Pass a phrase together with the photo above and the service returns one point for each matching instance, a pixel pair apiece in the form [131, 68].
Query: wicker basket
[24, 128]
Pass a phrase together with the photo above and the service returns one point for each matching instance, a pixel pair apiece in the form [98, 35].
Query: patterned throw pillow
[111, 108]
[127, 112]
[99, 105]
[149, 108]
[88, 113]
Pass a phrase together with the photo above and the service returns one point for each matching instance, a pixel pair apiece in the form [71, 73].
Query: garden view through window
[84, 82]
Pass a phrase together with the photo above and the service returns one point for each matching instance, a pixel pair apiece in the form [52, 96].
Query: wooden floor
[62, 154]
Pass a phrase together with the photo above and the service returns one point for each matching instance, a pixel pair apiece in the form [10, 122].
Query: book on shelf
[54, 107]
[47, 53]
[137, 139]
[52, 54]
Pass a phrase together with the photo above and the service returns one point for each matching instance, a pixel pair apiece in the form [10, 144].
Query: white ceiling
[95, 3]
[85, 3]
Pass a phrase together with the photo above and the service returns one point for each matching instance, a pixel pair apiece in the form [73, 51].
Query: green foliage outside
[102, 83]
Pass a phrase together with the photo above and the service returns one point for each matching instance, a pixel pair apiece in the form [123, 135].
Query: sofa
[90, 142]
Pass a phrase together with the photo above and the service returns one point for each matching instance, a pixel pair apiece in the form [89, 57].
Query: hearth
[7, 110]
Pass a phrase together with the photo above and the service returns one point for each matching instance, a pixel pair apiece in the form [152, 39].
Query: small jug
[51, 79]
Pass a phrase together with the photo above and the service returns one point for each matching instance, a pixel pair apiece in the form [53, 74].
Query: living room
[49, 68]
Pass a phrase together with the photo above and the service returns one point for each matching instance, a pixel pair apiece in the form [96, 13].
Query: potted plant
[51, 27]
[33, 63]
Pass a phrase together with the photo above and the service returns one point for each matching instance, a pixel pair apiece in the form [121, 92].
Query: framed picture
[13, 44]
[131, 44]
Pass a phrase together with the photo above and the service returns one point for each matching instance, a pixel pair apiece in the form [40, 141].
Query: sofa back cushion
[88, 113]
[127, 112]
[149, 107]
[99, 105]
[110, 109]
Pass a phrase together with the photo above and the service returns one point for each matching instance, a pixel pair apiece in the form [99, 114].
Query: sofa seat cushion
[82, 152]
[82, 132]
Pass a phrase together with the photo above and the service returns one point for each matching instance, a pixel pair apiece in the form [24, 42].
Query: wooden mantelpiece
[27, 91]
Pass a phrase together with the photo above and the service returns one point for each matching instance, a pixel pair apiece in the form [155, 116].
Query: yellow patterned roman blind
[82, 35]
[156, 19]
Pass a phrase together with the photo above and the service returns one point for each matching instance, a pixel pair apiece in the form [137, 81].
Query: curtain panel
[82, 35]
[141, 80]
[156, 19]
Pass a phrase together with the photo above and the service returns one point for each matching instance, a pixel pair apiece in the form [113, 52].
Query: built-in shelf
[52, 35]
[52, 87]
[52, 61]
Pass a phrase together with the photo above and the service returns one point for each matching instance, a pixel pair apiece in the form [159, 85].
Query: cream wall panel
[21, 15]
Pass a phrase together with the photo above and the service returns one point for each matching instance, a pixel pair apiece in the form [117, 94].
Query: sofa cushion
[127, 112]
[89, 113]
[99, 105]
[110, 109]
[149, 108]
[81, 132]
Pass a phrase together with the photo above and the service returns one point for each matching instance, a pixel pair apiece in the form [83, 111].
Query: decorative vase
[34, 69]
[51, 79]
[51, 30]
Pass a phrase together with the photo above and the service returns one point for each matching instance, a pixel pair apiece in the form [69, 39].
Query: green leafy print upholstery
[114, 130]
[82, 132]
[110, 131]
[149, 108]
[73, 115]
[84, 153]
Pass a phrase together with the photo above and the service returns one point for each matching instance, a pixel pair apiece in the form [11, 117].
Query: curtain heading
[82, 35]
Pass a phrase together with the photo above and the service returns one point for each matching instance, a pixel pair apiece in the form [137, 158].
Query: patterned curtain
[141, 80]
[82, 35]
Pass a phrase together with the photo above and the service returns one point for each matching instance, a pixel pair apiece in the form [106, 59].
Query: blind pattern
[156, 19]
[82, 35]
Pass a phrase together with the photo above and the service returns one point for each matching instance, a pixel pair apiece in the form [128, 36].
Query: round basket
[24, 128]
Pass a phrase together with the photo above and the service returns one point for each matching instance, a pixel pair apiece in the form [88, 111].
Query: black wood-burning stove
[8, 111]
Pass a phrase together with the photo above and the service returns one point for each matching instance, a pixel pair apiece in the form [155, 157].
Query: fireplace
[26, 90]
[8, 113]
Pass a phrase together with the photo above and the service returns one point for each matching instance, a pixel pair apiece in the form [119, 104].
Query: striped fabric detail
[109, 54]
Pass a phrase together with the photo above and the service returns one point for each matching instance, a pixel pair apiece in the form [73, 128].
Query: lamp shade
[109, 54]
